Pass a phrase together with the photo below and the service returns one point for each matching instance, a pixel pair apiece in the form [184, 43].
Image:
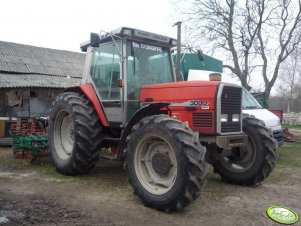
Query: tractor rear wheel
[252, 164]
[165, 162]
[74, 134]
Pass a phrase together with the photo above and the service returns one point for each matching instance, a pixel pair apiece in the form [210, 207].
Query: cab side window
[105, 71]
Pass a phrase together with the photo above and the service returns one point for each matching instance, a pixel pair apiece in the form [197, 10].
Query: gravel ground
[34, 194]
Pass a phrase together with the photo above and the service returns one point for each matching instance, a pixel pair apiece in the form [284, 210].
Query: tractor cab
[120, 62]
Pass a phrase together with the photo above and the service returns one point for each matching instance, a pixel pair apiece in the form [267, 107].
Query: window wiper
[113, 39]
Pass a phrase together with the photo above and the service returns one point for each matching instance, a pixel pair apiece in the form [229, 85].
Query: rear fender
[148, 110]
[89, 92]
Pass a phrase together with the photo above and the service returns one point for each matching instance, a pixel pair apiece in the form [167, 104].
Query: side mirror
[94, 40]
[200, 55]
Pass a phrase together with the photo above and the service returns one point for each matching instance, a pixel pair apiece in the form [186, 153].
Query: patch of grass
[5, 179]
[111, 174]
[14, 164]
[291, 126]
[24, 165]
[290, 156]
[50, 172]
[288, 165]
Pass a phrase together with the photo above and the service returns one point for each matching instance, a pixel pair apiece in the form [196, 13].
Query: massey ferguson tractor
[131, 107]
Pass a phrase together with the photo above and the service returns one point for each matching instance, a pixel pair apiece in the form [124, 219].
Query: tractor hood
[186, 93]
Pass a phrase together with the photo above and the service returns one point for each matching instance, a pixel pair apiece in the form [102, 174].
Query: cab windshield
[146, 64]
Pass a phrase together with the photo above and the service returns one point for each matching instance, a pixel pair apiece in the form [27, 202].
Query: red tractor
[131, 106]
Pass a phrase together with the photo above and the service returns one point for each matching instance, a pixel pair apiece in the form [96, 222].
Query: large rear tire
[165, 162]
[252, 164]
[74, 134]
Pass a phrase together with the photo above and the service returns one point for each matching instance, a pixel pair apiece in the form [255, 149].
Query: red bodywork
[191, 101]
[88, 90]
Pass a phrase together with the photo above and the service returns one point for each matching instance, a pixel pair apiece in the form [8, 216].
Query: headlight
[224, 118]
[235, 118]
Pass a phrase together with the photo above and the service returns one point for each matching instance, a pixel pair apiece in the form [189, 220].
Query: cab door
[105, 71]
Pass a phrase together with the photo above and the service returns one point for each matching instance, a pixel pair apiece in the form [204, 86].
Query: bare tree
[256, 36]
[289, 85]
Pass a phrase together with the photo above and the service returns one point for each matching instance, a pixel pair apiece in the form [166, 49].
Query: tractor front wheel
[165, 162]
[251, 164]
[74, 134]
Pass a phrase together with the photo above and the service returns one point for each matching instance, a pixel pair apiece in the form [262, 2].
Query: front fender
[88, 90]
[147, 110]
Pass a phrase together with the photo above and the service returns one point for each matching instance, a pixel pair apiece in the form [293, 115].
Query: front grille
[230, 127]
[202, 119]
[231, 100]
[231, 104]
[278, 135]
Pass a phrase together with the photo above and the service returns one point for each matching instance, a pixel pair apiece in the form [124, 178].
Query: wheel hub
[241, 159]
[155, 164]
[161, 163]
[238, 154]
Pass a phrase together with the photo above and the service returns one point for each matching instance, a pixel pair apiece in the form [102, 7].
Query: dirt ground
[34, 194]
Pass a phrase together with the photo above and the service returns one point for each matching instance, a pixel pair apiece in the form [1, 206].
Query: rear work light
[127, 32]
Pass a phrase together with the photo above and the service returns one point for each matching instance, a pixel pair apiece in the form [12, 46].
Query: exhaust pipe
[178, 71]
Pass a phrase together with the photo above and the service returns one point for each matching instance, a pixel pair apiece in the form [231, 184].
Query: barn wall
[26, 102]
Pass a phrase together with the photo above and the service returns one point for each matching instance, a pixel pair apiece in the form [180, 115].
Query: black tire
[74, 134]
[165, 162]
[259, 158]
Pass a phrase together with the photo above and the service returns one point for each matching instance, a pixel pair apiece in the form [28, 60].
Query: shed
[30, 77]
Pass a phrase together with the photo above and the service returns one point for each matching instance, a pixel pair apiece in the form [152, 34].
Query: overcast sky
[64, 24]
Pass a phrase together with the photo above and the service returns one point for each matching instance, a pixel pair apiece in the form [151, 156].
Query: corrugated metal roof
[18, 58]
[36, 80]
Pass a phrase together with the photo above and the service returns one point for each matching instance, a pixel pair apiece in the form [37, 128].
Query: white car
[251, 107]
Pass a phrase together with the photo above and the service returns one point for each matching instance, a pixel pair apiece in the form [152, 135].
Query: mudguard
[89, 92]
[147, 110]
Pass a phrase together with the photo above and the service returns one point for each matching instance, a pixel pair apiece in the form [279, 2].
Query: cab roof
[130, 33]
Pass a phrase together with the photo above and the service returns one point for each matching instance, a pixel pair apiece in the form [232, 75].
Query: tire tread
[268, 162]
[194, 153]
[87, 134]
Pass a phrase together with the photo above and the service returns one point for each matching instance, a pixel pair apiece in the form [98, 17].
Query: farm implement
[30, 139]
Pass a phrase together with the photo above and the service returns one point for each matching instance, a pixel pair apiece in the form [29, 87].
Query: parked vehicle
[131, 107]
[251, 107]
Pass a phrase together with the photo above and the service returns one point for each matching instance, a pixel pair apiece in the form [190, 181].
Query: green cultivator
[30, 140]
